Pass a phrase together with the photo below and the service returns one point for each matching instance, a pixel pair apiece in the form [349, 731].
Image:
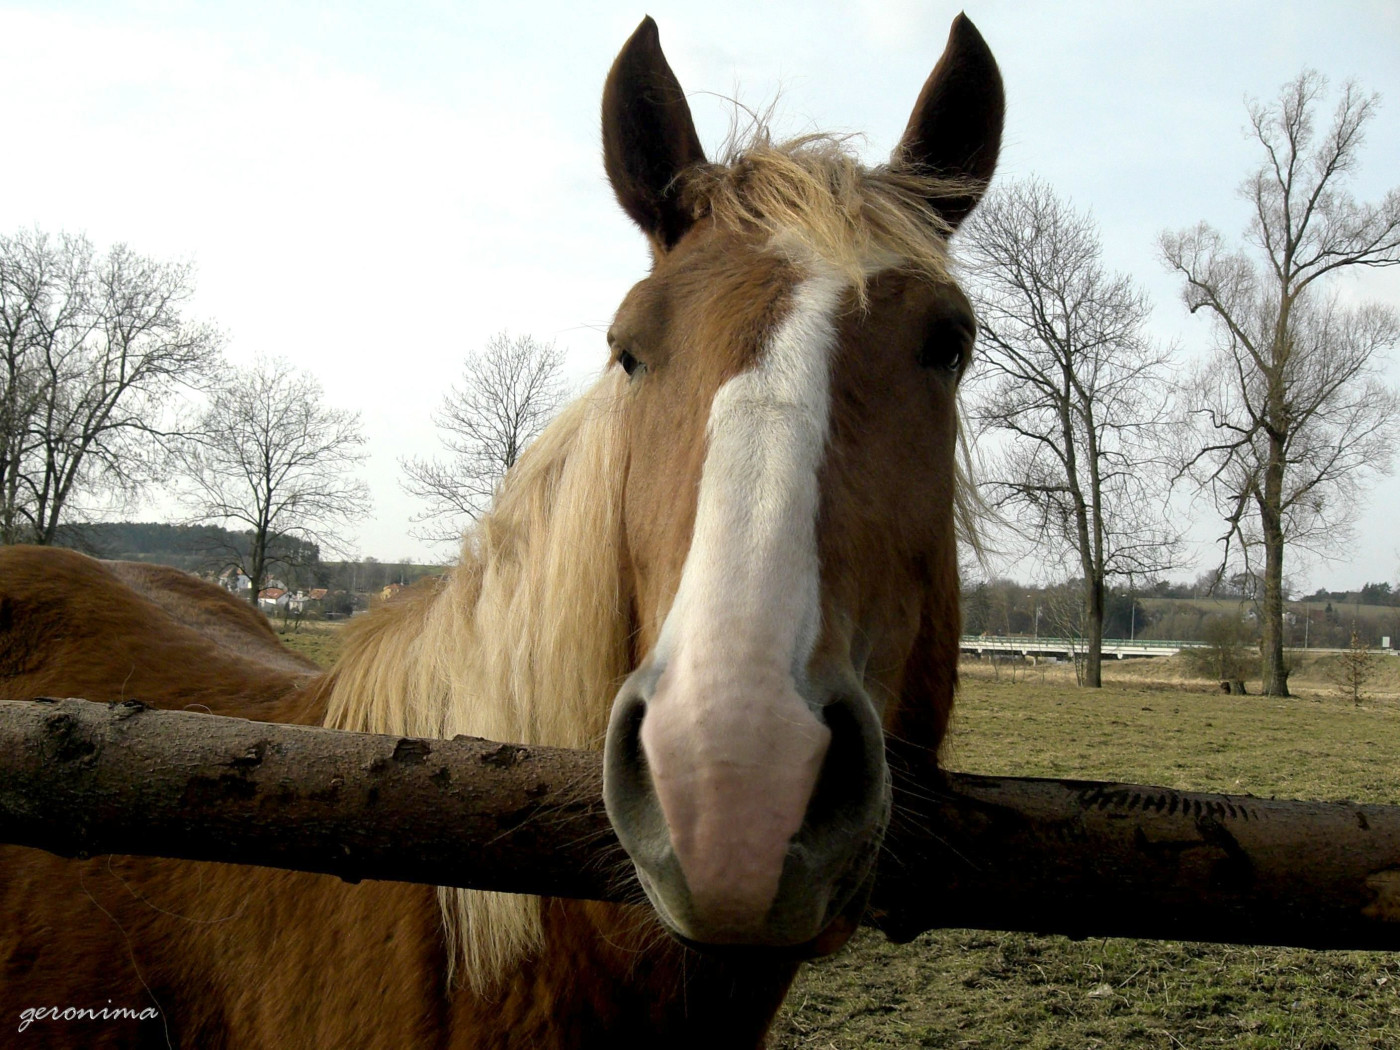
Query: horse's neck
[612, 969]
[500, 651]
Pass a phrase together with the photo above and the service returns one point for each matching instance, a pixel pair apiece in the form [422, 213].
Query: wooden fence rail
[1054, 856]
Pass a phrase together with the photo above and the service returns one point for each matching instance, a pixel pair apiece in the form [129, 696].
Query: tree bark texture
[1052, 856]
[1275, 671]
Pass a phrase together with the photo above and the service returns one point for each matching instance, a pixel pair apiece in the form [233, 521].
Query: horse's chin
[833, 936]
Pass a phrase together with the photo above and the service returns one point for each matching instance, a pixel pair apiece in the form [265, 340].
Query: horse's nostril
[853, 773]
[841, 775]
[627, 789]
[626, 732]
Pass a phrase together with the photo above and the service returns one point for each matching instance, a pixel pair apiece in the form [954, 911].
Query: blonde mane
[526, 639]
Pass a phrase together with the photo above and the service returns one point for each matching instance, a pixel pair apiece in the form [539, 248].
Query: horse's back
[74, 626]
[215, 955]
[218, 955]
[211, 611]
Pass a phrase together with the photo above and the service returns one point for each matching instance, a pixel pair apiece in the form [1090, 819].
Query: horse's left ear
[648, 137]
[955, 129]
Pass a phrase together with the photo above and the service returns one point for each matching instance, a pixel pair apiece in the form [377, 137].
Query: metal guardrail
[1028, 645]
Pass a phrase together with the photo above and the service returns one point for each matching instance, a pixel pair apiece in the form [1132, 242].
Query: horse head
[792, 363]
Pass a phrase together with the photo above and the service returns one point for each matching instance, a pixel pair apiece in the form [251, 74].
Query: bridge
[1026, 645]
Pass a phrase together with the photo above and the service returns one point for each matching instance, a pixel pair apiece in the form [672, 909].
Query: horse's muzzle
[733, 849]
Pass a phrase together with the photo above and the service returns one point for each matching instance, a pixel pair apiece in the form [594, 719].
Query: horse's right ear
[648, 137]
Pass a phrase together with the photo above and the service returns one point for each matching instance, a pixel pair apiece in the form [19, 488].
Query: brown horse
[741, 541]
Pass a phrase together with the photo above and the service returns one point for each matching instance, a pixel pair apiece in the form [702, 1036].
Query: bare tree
[1292, 409]
[1072, 384]
[270, 457]
[508, 394]
[92, 349]
[1060, 612]
[1354, 668]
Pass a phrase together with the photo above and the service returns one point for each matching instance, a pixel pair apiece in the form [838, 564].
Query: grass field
[318, 640]
[1153, 723]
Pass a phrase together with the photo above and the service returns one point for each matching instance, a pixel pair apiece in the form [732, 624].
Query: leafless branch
[508, 394]
[92, 349]
[271, 457]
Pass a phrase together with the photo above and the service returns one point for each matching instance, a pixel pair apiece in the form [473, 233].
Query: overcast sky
[374, 189]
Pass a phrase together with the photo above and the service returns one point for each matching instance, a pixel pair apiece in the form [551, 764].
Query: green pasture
[1153, 723]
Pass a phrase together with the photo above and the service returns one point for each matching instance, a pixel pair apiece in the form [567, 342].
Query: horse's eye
[947, 346]
[940, 353]
[628, 360]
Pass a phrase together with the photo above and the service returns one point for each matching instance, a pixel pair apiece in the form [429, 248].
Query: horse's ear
[955, 129]
[648, 137]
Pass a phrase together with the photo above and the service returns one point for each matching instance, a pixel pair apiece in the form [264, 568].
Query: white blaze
[733, 748]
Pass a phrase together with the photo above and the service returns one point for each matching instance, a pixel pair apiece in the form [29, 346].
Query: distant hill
[208, 549]
[194, 548]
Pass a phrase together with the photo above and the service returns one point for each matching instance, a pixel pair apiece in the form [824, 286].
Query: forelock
[811, 199]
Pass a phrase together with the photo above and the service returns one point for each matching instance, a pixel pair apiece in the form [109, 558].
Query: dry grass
[1155, 724]
[318, 640]
[1313, 675]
